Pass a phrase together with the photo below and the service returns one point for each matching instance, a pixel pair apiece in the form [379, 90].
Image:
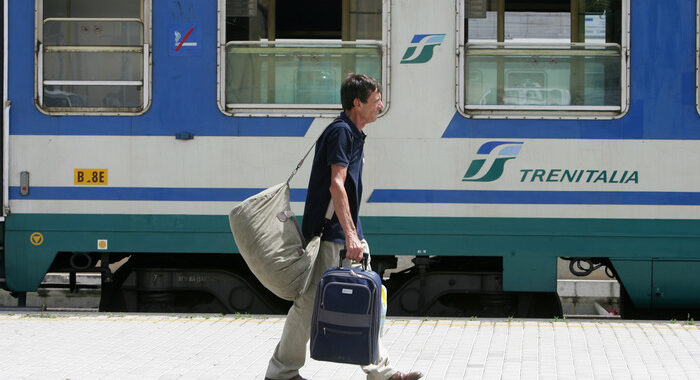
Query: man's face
[368, 111]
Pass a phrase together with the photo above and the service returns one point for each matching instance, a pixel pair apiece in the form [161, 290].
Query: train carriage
[515, 132]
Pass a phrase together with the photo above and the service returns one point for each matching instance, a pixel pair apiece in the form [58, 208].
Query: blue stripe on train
[377, 196]
[145, 194]
[536, 197]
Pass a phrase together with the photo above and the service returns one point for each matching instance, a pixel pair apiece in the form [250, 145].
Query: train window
[292, 55]
[93, 56]
[558, 58]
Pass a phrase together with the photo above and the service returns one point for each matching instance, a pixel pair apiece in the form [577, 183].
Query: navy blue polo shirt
[341, 143]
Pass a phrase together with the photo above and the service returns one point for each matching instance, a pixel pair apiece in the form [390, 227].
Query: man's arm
[342, 209]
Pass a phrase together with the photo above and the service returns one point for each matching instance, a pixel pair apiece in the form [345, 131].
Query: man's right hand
[354, 248]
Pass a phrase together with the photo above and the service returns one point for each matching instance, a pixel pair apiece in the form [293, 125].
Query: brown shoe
[297, 377]
[406, 376]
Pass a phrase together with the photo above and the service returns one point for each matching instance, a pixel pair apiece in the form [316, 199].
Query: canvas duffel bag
[269, 238]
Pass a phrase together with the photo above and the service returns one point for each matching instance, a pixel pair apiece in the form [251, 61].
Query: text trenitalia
[579, 175]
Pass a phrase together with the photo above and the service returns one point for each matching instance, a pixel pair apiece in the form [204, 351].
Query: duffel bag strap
[309, 151]
[326, 218]
[330, 210]
[300, 163]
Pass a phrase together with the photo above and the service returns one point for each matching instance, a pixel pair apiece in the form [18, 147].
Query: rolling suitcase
[345, 322]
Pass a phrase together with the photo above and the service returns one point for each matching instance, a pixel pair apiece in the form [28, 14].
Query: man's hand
[354, 248]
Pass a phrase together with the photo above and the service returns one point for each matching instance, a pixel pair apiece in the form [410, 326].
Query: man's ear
[356, 102]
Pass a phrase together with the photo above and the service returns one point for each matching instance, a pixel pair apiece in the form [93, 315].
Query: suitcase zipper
[340, 331]
[351, 273]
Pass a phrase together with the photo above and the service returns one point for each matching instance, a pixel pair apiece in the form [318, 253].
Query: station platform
[128, 346]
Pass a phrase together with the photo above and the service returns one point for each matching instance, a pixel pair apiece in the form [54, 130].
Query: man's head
[361, 97]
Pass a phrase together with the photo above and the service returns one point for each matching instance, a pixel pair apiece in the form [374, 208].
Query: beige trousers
[290, 353]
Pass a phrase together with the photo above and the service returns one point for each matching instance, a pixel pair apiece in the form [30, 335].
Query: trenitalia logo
[488, 150]
[421, 49]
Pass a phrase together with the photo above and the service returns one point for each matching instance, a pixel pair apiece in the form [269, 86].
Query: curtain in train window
[293, 54]
[543, 55]
[93, 56]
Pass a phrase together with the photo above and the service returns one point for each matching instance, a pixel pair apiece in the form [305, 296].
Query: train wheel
[142, 285]
[464, 294]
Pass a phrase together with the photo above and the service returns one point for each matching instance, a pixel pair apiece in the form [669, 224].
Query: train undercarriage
[420, 286]
[424, 286]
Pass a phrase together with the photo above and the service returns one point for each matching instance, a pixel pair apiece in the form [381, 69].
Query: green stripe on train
[528, 246]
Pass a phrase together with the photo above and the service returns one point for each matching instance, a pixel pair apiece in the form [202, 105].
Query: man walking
[336, 176]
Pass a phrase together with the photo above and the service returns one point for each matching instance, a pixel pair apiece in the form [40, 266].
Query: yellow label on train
[90, 177]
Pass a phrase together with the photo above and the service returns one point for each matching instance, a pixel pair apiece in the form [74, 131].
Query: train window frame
[291, 109]
[543, 112]
[147, 65]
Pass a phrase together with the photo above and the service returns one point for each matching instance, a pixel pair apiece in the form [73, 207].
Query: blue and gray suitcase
[345, 322]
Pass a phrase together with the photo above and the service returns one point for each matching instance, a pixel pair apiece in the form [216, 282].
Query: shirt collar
[355, 131]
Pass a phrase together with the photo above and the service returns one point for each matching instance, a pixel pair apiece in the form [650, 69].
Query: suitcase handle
[365, 257]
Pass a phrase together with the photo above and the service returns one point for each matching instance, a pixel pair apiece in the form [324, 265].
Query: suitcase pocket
[343, 344]
[346, 297]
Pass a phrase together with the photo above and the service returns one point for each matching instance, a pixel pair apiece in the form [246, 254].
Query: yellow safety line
[116, 319]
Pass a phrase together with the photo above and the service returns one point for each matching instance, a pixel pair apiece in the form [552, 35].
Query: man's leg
[290, 353]
[381, 370]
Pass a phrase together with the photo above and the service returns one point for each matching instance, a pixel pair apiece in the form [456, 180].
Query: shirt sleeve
[339, 146]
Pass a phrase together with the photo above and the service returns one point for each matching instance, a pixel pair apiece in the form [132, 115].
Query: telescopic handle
[365, 257]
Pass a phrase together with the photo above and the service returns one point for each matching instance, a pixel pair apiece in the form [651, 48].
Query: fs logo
[488, 150]
[421, 49]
